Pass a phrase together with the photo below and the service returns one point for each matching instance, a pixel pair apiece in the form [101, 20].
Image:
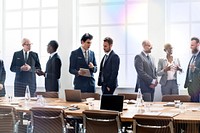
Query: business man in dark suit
[146, 72]
[24, 64]
[83, 65]
[53, 68]
[2, 79]
[109, 68]
[192, 81]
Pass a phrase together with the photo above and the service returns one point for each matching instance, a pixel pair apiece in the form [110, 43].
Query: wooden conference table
[188, 114]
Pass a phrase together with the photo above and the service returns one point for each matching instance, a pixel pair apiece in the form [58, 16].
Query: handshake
[40, 72]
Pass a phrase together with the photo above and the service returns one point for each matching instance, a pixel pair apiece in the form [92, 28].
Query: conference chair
[152, 124]
[47, 94]
[101, 121]
[128, 96]
[85, 95]
[8, 120]
[171, 98]
[47, 120]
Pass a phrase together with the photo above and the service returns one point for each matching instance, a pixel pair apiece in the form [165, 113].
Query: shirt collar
[108, 53]
[25, 51]
[83, 50]
[145, 53]
[196, 54]
[52, 54]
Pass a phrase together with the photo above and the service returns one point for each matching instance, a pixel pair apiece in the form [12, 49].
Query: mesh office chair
[85, 95]
[47, 120]
[47, 94]
[171, 98]
[101, 121]
[8, 121]
[153, 124]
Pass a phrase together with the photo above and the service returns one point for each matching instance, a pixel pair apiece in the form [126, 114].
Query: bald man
[146, 72]
[24, 64]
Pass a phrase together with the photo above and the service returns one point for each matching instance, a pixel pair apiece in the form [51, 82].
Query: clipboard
[87, 72]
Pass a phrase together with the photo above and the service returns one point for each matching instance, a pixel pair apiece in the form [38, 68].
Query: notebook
[112, 102]
[73, 95]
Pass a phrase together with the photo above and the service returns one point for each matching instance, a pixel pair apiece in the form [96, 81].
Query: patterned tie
[26, 57]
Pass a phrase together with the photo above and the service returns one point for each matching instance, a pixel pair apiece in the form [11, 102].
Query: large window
[182, 23]
[120, 20]
[33, 19]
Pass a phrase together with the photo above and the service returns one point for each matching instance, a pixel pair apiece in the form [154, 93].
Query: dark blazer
[194, 86]
[52, 73]
[109, 71]
[2, 78]
[146, 72]
[77, 61]
[23, 78]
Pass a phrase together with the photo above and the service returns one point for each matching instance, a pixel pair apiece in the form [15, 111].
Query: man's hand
[108, 88]
[1, 86]
[25, 67]
[154, 85]
[91, 65]
[39, 72]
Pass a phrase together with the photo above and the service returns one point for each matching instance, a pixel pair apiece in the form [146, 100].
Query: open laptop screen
[112, 102]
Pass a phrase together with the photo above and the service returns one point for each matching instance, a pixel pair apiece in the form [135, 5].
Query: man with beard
[192, 81]
[146, 72]
[109, 68]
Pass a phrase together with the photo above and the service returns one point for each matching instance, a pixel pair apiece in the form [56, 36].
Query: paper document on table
[87, 72]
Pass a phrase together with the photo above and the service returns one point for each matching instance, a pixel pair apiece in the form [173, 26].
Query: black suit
[2, 78]
[77, 61]
[108, 73]
[52, 73]
[194, 85]
[23, 78]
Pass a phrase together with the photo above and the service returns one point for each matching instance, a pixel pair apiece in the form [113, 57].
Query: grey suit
[194, 85]
[146, 72]
[167, 86]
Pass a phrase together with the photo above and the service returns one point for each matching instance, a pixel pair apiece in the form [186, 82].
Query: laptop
[112, 102]
[73, 95]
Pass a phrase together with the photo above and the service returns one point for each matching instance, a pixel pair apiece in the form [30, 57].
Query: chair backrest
[73, 95]
[47, 94]
[171, 98]
[128, 96]
[152, 124]
[85, 95]
[101, 121]
[50, 120]
[7, 119]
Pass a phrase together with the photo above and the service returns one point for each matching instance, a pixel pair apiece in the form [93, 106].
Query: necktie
[26, 57]
[149, 60]
[192, 62]
[104, 59]
[86, 56]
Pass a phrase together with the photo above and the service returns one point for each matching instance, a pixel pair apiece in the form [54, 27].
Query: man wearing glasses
[24, 64]
[83, 65]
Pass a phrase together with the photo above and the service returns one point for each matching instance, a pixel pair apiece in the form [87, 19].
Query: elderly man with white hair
[25, 63]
